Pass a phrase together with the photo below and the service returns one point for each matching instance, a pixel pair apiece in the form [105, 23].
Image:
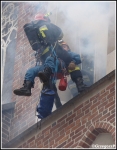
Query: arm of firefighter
[75, 58]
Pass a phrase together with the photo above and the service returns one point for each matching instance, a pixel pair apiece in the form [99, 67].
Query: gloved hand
[71, 66]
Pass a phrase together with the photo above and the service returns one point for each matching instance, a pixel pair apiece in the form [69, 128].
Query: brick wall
[24, 115]
[7, 115]
[79, 127]
[77, 123]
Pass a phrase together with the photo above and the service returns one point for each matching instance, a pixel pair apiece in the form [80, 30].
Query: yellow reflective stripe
[76, 68]
[43, 28]
[46, 15]
[46, 50]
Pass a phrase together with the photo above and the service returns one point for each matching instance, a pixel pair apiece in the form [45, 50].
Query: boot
[25, 90]
[80, 85]
[45, 75]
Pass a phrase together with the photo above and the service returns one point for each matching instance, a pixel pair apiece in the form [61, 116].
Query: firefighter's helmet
[40, 16]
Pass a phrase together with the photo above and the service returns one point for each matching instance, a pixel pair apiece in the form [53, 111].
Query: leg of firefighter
[53, 87]
[49, 69]
[76, 77]
[28, 81]
[57, 98]
[45, 77]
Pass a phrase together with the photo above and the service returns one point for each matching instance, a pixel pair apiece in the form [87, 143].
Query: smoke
[83, 19]
[86, 26]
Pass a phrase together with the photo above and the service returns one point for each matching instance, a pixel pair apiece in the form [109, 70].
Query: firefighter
[74, 69]
[39, 44]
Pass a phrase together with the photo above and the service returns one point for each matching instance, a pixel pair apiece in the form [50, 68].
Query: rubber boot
[45, 75]
[25, 90]
[80, 85]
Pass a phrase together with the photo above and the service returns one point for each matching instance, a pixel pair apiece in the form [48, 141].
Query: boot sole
[21, 93]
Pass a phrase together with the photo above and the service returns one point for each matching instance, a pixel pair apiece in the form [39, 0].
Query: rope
[56, 65]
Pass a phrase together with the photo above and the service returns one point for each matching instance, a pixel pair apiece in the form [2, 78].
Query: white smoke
[85, 26]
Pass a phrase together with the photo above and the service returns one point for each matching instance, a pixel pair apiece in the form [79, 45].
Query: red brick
[70, 117]
[54, 128]
[79, 129]
[112, 130]
[102, 91]
[55, 131]
[45, 142]
[51, 142]
[84, 120]
[94, 105]
[79, 116]
[47, 137]
[70, 121]
[70, 113]
[74, 145]
[109, 129]
[67, 132]
[88, 123]
[94, 110]
[54, 137]
[69, 140]
[109, 104]
[76, 127]
[110, 117]
[31, 139]
[61, 119]
[112, 89]
[79, 107]
[38, 142]
[103, 95]
[84, 145]
[112, 107]
[87, 111]
[86, 102]
[105, 116]
[78, 138]
[78, 111]
[48, 128]
[88, 141]
[62, 126]
[112, 121]
[101, 109]
[92, 116]
[58, 138]
[95, 132]
[105, 111]
[61, 132]
[70, 126]
[69, 144]
[110, 95]
[64, 138]
[110, 86]
[94, 97]
[86, 106]
[97, 117]
[61, 145]
[111, 99]
[71, 134]
[95, 101]
[76, 135]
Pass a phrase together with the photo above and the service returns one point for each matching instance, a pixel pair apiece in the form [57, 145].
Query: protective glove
[71, 66]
